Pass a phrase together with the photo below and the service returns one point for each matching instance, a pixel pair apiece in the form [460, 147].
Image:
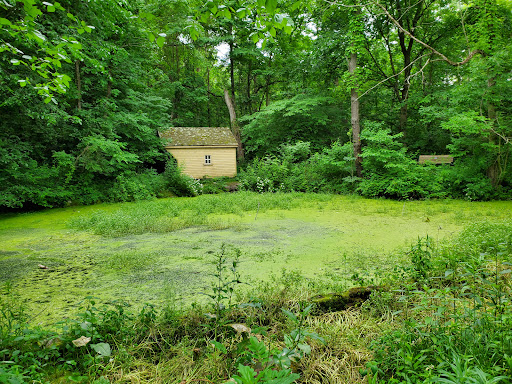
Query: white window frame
[207, 159]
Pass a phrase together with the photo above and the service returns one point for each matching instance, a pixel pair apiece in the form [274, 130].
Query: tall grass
[167, 215]
[454, 322]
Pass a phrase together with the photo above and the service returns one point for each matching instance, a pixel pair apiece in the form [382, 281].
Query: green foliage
[421, 254]
[24, 38]
[456, 328]
[179, 183]
[226, 278]
[296, 169]
[311, 119]
[168, 215]
[388, 170]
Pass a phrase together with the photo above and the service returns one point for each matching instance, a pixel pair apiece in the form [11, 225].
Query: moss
[355, 296]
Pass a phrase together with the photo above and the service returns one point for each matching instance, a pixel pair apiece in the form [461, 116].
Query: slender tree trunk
[267, 84]
[78, 85]
[267, 92]
[494, 171]
[109, 83]
[234, 124]
[404, 92]
[249, 106]
[208, 104]
[232, 71]
[354, 117]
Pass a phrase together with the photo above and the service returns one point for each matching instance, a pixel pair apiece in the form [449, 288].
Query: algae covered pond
[162, 251]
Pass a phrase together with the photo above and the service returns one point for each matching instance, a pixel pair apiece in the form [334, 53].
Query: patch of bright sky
[222, 52]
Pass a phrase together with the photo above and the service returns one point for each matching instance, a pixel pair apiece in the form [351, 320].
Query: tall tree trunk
[109, 83]
[235, 128]
[494, 171]
[208, 103]
[78, 85]
[404, 92]
[232, 71]
[354, 117]
[249, 102]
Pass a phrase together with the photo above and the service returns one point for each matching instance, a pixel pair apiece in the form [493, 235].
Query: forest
[338, 97]
[340, 258]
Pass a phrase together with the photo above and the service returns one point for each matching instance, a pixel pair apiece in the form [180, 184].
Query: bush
[131, 186]
[389, 172]
[179, 183]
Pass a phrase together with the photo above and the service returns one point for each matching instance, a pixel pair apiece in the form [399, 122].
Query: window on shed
[207, 159]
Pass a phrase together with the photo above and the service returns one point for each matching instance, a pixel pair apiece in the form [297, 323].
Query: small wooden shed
[202, 151]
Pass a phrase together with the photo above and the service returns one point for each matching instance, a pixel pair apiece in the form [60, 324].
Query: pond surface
[335, 238]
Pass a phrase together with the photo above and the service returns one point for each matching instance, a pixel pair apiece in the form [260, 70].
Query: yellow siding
[191, 161]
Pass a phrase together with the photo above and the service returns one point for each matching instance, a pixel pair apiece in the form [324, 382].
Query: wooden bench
[435, 159]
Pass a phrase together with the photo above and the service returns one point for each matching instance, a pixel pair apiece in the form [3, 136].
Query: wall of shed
[191, 161]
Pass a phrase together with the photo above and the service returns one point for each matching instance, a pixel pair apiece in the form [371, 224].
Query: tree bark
[78, 85]
[109, 83]
[354, 117]
[232, 71]
[235, 128]
[404, 92]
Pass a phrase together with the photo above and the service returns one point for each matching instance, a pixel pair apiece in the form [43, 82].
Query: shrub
[179, 183]
[131, 186]
[388, 171]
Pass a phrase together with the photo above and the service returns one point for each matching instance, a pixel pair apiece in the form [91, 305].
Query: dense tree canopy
[86, 85]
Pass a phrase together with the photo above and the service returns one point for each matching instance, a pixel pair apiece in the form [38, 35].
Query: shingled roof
[198, 136]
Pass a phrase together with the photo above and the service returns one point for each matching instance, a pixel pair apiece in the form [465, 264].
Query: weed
[421, 255]
[13, 315]
[226, 277]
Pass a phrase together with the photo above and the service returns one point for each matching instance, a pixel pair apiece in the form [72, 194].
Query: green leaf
[255, 38]
[31, 10]
[102, 348]
[285, 380]
[160, 41]
[247, 374]
[221, 347]
[271, 5]
[38, 36]
[272, 32]
[289, 314]
[241, 12]
[4, 21]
